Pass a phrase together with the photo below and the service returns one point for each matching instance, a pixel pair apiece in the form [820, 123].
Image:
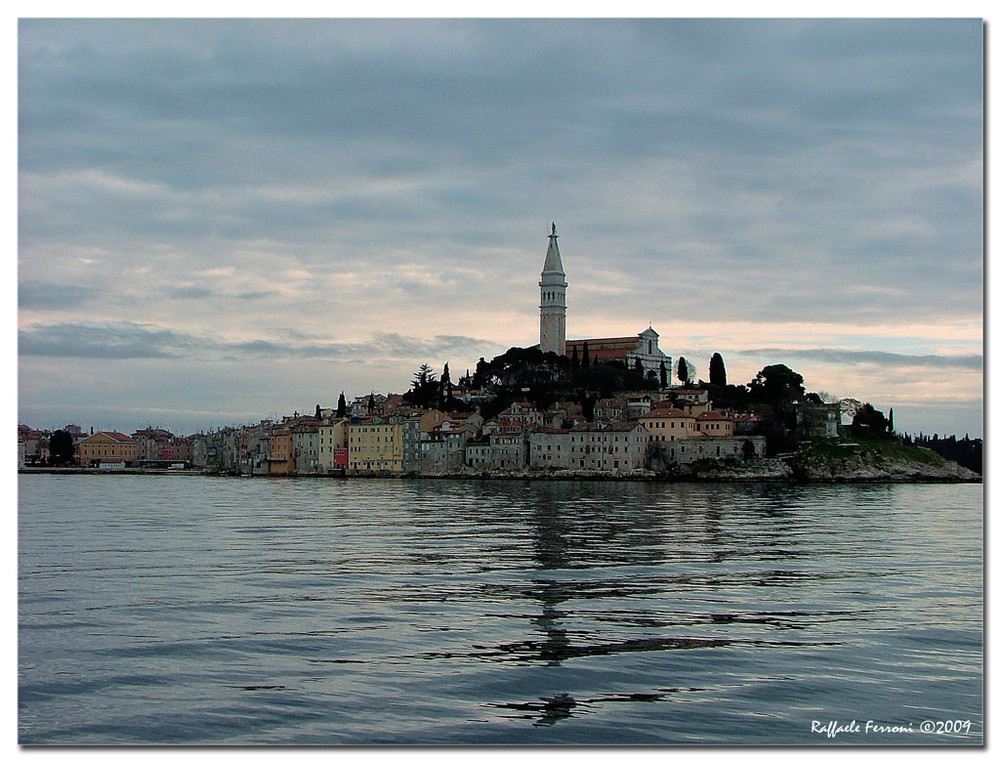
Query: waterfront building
[305, 444]
[281, 456]
[412, 431]
[611, 447]
[375, 444]
[332, 454]
[705, 447]
[108, 447]
[442, 451]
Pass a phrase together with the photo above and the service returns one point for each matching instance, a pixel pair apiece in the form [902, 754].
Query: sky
[225, 220]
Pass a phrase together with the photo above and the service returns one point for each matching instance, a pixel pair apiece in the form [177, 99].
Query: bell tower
[552, 321]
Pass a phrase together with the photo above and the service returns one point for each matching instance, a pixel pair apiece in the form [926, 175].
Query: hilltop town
[602, 406]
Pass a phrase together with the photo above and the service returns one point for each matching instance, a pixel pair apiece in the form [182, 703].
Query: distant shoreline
[568, 476]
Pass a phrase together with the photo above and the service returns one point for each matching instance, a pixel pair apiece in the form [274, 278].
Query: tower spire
[552, 321]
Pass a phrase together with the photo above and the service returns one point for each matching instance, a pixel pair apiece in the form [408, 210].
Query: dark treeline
[966, 452]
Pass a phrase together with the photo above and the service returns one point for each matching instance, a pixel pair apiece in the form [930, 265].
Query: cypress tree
[717, 370]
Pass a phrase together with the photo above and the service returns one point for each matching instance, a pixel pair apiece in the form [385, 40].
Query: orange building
[714, 424]
[281, 458]
[108, 447]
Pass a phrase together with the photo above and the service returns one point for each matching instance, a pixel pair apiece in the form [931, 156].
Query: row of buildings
[393, 438]
[107, 449]
[384, 435]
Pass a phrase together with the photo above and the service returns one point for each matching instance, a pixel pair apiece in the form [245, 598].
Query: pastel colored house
[108, 447]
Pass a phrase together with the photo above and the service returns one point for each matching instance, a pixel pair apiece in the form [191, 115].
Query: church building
[643, 348]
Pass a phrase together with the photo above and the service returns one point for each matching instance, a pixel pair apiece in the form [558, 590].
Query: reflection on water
[189, 610]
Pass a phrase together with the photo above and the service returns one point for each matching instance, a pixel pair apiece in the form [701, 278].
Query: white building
[608, 447]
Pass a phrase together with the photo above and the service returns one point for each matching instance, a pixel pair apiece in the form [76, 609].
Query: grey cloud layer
[857, 357]
[125, 340]
[129, 341]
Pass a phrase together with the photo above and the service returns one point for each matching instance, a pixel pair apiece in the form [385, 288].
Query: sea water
[184, 609]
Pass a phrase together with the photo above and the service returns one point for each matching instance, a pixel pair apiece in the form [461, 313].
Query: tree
[575, 362]
[638, 367]
[342, 406]
[423, 376]
[777, 385]
[870, 423]
[425, 390]
[717, 370]
[586, 355]
[682, 371]
[664, 381]
[61, 448]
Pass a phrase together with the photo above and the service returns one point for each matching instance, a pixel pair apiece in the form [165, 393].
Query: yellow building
[375, 444]
[668, 424]
[107, 447]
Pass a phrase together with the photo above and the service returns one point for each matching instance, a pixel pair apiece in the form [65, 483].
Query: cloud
[858, 357]
[129, 341]
[34, 295]
[114, 341]
[190, 292]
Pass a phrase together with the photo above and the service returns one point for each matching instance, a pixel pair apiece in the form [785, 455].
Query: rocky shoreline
[807, 468]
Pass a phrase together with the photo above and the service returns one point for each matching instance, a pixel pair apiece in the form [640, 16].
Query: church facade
[643, 348]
